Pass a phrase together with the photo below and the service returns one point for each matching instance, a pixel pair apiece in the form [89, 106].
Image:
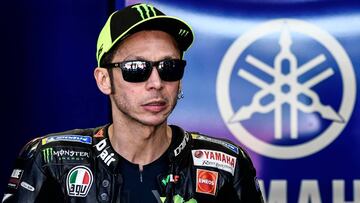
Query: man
[138, 157]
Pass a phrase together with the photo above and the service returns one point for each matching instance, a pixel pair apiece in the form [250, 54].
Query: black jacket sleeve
[245, 181]
[27, 178]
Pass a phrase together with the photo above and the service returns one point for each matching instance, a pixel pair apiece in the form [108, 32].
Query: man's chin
[154, 119]
[153, 122]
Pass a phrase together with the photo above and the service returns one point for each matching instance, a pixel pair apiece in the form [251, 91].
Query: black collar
[180, 147]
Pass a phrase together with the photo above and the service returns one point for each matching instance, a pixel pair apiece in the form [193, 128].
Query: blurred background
[277, 77]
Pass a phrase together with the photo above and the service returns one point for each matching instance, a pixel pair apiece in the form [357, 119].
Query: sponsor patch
[50, 154]
[67, 138]
[79, 181]
[206, 181]
[100, 133]
[27, 186]
[214, 159]
[15, 178]
[170, 178]
[220, 142]
[106, 153]
[182, 145]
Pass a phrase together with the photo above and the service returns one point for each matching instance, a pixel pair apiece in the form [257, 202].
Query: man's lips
[155, 106]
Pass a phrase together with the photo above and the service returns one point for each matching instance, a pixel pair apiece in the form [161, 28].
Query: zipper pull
[141, 177]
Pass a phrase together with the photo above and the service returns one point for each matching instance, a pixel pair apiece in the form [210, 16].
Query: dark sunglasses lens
[136, 71]
[171, 70]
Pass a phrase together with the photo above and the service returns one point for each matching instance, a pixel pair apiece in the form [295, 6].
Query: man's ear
[103, 80]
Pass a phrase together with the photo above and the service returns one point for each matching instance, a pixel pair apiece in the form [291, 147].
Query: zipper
[141, 176]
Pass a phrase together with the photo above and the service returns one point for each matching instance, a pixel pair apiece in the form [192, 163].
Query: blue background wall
[314, 167]
[48, 57]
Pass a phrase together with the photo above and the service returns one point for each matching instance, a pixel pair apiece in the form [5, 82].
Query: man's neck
[140, 144]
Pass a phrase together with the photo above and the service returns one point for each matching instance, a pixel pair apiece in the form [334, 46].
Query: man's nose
[154, 81]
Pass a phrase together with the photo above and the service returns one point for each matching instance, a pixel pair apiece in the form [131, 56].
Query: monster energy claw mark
[147, 9]
[183, 32]
[48, 154]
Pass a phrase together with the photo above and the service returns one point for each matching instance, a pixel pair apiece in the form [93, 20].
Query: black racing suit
[81, 166]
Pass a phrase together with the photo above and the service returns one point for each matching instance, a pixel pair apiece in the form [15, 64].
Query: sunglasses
[140, 70]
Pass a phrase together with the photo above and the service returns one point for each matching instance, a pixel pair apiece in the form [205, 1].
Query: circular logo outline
[327, 136]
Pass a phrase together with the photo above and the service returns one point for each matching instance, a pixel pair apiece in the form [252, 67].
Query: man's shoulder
[213, 152]
[214, 143]
[81, 138]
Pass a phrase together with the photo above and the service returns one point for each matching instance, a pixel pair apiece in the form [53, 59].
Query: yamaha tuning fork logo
[286, 89]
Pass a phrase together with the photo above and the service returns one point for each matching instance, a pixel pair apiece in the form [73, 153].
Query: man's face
[149, 102]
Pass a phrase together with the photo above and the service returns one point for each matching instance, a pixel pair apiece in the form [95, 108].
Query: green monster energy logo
[63, 154]
[48, 154]
[183, 32]
[179, 199]
[147, 8]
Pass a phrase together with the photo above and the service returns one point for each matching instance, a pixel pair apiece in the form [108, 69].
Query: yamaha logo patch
[79, 181]
[214, 159]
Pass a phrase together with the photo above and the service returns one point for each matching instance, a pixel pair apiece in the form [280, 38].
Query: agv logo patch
[79, 181]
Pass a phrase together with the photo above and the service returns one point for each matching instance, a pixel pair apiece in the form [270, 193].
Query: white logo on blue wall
[286, 89]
